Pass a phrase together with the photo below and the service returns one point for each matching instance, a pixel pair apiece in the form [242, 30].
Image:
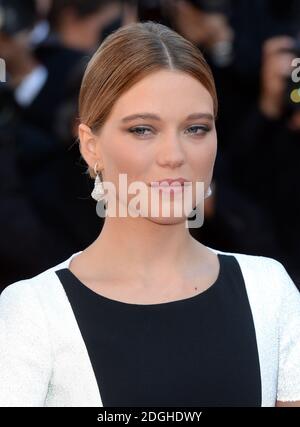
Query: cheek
[125, 158]
[202, 157]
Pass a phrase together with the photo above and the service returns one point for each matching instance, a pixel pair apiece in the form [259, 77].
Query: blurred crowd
[47, 212]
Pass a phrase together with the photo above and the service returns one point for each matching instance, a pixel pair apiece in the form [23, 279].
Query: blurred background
[47, 212]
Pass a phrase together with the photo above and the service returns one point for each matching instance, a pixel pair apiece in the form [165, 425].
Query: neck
[140, 248]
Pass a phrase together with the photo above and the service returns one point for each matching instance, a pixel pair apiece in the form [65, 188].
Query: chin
[167, 220]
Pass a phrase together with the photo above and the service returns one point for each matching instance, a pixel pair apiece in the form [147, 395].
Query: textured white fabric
[44, 360]
[275, 306]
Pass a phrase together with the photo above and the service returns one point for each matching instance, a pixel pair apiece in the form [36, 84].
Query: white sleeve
[25, 351]
[288, 388]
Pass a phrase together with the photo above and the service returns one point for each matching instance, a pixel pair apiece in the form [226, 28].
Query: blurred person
[75, 30]
[78, 23]
[277, 56]
[265, 151]
[67, 200]
[17, 21]
[223, 30]
[151, 316]
[41, 29]
[35, 161]
[23, 232]
[38, 65]
[27, 245]
[129, 12]
[206, 24]
[43, 7]
[38, 157]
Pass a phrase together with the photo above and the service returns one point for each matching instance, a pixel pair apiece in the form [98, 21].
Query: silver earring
[208, 192]
[98, 191]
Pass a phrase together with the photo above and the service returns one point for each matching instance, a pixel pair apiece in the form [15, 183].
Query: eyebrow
[155, 117]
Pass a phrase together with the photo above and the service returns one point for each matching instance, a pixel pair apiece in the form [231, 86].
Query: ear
[89, 146]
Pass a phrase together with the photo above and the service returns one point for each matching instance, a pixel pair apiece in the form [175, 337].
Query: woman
[146, 315]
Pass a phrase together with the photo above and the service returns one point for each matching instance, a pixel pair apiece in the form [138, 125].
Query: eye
[196, 130]
[202, 129]
[139, 130]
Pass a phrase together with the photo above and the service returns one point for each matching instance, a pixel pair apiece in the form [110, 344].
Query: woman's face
[149, 149]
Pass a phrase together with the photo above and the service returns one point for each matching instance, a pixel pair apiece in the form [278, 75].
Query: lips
[169, 182]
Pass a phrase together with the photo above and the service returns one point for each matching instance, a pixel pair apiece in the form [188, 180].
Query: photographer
[266, 150]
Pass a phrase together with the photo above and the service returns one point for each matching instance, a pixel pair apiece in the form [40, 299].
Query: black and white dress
[235, 344]
[198, 351]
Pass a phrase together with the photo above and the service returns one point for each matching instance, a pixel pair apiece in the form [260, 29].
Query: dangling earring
[98, 191]
[208, 193]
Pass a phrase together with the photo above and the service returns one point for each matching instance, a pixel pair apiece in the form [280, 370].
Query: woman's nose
[170, 152]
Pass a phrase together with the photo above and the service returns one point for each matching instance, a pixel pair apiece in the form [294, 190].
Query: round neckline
[200, 295]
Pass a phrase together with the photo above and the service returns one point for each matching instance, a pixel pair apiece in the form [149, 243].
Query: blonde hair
[126, 56]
